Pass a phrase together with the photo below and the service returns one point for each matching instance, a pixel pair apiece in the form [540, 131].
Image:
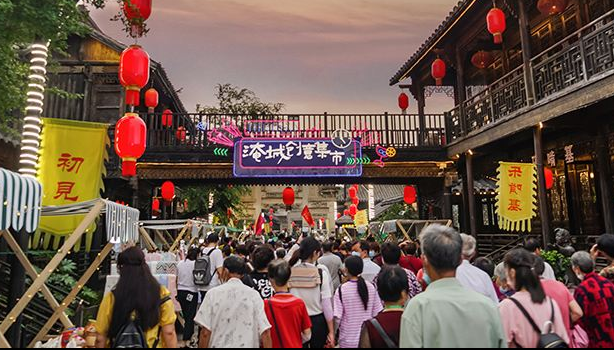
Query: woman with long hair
[529, 307]
[355, 303]
[313, 284]
[137, 298]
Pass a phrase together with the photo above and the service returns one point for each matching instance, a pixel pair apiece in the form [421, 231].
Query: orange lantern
[552, 7]
[130, 142]
[439, 71]
[134, 66]
[496, 24]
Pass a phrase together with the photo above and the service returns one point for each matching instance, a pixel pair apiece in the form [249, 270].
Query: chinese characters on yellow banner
[516, 197]
[71, 169]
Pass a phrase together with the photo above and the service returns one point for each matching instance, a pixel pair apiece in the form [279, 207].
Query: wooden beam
[4, 344]
[50, 268]
[473, 223]
[542, 191]
[31, 271]
[160, 236]
[525, 40]
[179, 238]
[147, 238]
[73, 293]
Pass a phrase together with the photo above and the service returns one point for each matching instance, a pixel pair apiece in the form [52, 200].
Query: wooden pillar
[461, 91]
[134, 182]
[17, 289]
[473, 224]
[421, 114]
[544, 210]
[525, 39]
[606, 187]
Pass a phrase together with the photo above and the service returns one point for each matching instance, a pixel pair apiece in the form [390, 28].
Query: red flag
[259, 227]
[308, 217]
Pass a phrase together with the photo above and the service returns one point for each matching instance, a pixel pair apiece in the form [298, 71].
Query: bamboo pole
[147, 238]
[50, 268]
[73, 293]
[179, 238]
[31, 271]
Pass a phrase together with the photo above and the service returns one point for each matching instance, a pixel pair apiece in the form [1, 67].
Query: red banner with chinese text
[71, 170]
[516, 196]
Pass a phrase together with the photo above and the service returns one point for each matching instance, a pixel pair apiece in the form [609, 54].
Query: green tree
[398, 211]
[234, 100]
[222, 198]
[23, 22]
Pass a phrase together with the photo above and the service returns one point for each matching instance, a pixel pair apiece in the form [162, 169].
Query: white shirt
[313, 296]
[234, 313]
[217, 261]
[477, 280]
[370, 271]
[185, 276]
[549, 272]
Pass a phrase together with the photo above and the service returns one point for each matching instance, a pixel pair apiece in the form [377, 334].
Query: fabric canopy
[20, 201]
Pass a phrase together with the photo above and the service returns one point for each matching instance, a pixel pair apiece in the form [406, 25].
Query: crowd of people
[307, 293]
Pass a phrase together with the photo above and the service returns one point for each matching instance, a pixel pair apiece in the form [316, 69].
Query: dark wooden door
[585, 211]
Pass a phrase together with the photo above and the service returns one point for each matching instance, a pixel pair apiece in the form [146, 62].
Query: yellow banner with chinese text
[361, 219]
[516, 196]
[71, 170]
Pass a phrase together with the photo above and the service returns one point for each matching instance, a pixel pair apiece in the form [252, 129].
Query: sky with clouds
[314, 56]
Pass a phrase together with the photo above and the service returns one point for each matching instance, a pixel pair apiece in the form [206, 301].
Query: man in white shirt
[533, 246]
[371, 269]
[217, 262]
[472, 277]
[232, 315]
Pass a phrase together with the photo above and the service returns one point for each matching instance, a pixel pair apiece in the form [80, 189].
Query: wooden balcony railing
[581, 58]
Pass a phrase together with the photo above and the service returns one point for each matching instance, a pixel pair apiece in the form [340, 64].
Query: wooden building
[548, 90]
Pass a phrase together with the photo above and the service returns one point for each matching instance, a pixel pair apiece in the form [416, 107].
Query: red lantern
[168, 191]
[496, 24]
[181, 134]
[271, 211]
[289, 197]
[152, 99]
[410, 195]
[438, 71]
[167, 118]
[134, 73]
[271, 224]
[185, 205]
[137, 12]
[355, 201]
[353, 192]
[482, 59]
[549, 178]
[229, 212]
[346, 213]
[353, 210]
[130, 142]
[155, 205]
[403, 102]
[552, 7]
[339, 216]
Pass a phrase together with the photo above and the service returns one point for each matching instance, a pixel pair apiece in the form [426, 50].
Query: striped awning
[122, 222]
[20, 202]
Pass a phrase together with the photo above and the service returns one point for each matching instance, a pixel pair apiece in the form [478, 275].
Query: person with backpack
[187, 292]
[209, 266]
[384, 331]
[138, 313]
[356, 301]
[530, 318]
[286, 313]
[313, 285]
[232, 315]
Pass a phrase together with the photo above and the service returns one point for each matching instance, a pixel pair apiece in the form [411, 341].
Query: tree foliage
[399, 211]
[222, 198]
[234, 101]
[23, 22]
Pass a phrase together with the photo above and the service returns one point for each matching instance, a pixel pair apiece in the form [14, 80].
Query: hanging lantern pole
[32, 128]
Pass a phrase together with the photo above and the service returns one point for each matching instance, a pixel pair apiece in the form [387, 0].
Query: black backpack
[550, 340]
[202, 270]
[131, 335]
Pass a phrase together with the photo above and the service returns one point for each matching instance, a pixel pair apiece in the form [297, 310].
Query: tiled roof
[428, 45]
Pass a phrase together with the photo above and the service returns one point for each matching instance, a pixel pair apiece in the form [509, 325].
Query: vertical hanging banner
[71, 170]
[361, 219]
[516, 197]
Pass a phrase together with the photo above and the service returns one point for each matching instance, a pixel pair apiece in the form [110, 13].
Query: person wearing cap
[605, 249]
